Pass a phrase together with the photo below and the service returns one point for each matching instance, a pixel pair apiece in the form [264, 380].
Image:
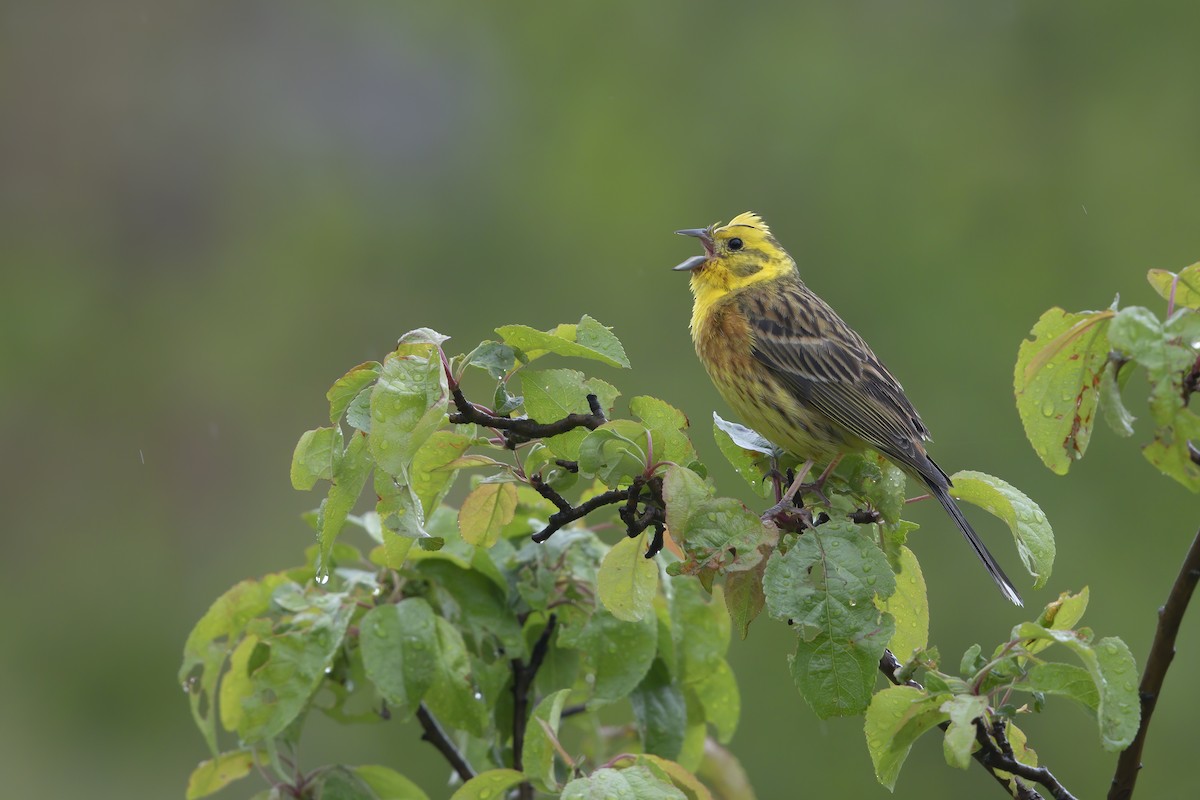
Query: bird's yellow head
[736, 256]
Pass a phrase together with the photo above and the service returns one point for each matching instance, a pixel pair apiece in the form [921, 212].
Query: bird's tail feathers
[989, 562]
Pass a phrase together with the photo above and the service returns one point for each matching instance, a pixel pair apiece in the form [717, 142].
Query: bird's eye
[735, 244]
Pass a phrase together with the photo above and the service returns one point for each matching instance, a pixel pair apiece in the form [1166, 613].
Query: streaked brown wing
[832, 370]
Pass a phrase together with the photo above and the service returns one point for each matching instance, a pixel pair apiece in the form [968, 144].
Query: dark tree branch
[1162, 650]
[653, 509]
[994, 756]
[571, 513]
[523, 675]
[438, 738]
[522, 430]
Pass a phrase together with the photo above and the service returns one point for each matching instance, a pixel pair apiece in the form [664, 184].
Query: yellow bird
[794, 371]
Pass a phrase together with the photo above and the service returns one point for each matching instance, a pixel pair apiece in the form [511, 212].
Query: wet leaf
[628, 581]
[909, 607]
[1056, 381]
[349, 386]
[1030, 528]
[1186, 288]
[896, 718]
[825, 586]
[539, 748]
[315, 456]
[489, 785]
[486, 511]
[589, 339]
[217, 773]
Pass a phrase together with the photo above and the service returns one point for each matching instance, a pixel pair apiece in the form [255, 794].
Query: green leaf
[452, 695]
[486, 511]
[315, 457]
[621, 652]
[495, 358]
[1139, 333]
[589, 339]
[1114, 674]
[963, 709]
[400, 651]
[896, 718]
[632, 783]
[660, 711]
[349, 386]
[293, 660]
[684, 780]
[408, 404]
[399, 508]
[872, 478]
[1115, 412]
[722, 771]
[338, 783]
[744, 597]
[1056, 380]
[1169, 453]
[434, 467]
[615, 452]
[349, 477]
[909, 607]
[700, 628]
[668, 425]
[211, 641]
[474, 604]
[217, 773]
[387, 784]
[685, 494]
[825, 586]
[489, 785]
[1066, 680]
[1186, 285]
[746, 451]
[1029, 526]
[713, 532]
[539, 748]
[628, 581]
[552, 394]
[717, 691]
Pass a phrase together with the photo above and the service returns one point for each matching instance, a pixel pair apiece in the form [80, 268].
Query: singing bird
[796, 372]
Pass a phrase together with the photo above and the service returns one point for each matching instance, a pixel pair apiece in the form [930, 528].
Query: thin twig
[1162, 650]
[438, 738]
[523, 675]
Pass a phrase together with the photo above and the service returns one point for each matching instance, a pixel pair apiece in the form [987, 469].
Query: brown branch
[1162, 650]
[523, 675]
[522, 430]
[571, 513]
[994, 756]
[438, 738]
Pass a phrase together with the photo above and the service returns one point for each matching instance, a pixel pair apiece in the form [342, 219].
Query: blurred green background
[208, 211]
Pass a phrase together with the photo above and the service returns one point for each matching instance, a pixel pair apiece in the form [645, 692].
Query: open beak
[695, 262]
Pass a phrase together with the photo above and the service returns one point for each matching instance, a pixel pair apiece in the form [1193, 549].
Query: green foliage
[1030, 529]
[505, 622]
[1076, 361]
[1106, 686]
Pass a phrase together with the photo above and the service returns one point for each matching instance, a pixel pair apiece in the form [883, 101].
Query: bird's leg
[776, 478]
[782, 510]
[817, 486]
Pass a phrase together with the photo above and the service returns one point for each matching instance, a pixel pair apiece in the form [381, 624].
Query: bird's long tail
[989, 562]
